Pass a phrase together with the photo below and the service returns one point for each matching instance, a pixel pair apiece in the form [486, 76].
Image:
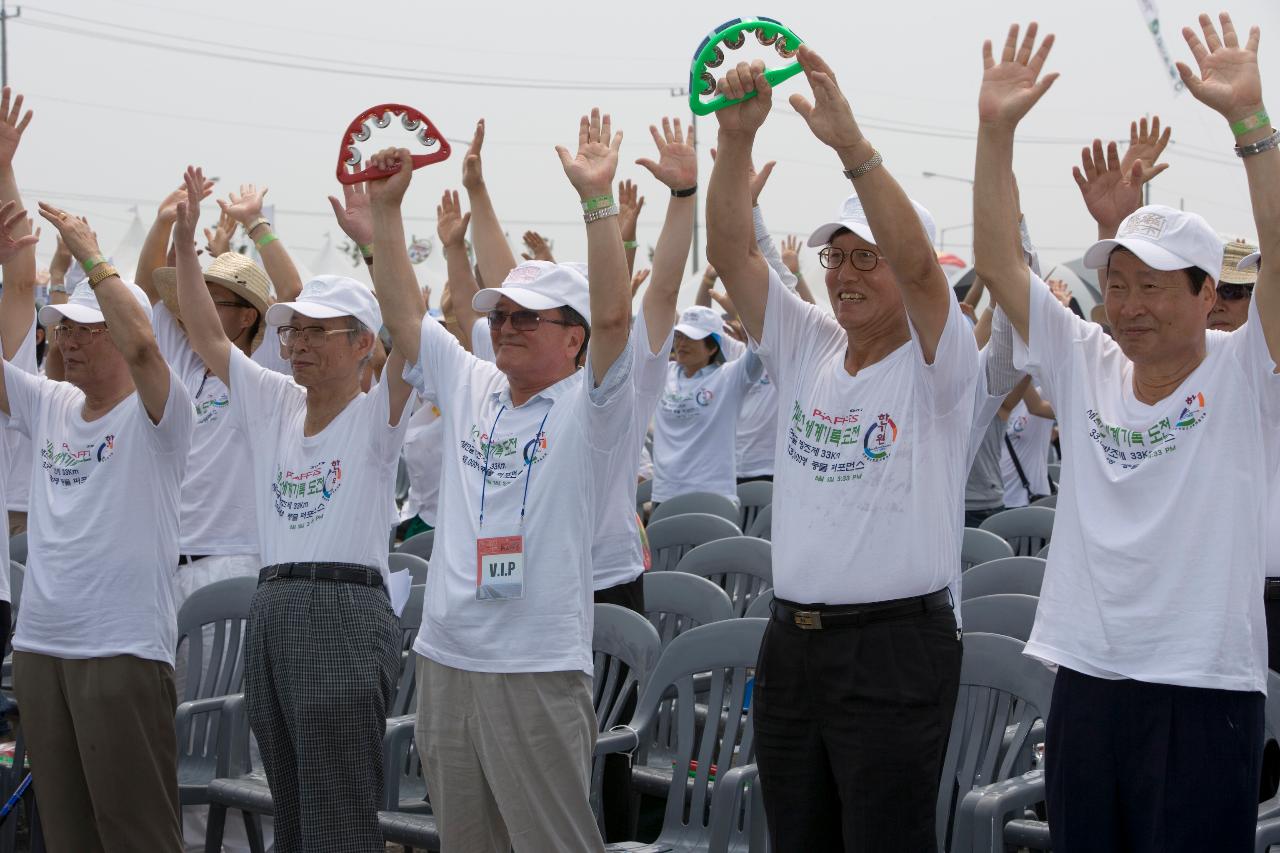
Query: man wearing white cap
[323, 646]
[93, 659]
[860, 666]
[1155, 623]
[506, 726]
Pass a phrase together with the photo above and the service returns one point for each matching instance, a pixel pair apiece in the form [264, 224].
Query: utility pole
[5, 15]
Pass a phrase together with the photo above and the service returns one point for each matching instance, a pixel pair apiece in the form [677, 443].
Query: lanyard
[528, 465]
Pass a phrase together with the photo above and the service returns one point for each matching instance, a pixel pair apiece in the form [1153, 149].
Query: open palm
[1229, 80]
[591, 170]
[1011, 88]
[677, 165]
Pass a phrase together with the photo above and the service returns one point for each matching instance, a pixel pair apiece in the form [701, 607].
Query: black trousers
[1135, 767]
[851, 727]
[629, 595]
[975, 517]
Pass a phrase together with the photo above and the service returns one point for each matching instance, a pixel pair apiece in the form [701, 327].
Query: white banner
[1152, 15]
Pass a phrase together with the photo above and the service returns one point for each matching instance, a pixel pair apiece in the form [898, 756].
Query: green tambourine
[733, 34]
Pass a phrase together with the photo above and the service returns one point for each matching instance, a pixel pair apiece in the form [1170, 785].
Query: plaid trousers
[321, 662]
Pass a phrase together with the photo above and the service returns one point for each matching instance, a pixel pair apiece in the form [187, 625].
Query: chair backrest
[728, 651]
[1027, 529]
[1002, 694]
[417, 566]
[981, 546]
[18, 547]
[405, 699]
[674, 602]
[672, 538]
[762, 527]
[741, 565]
[1043, 553]
[1022, 575]
[419, 545]
[1055, 471]
[644, 494]
[1007, 614]
[705, 502]
[17, 574]
[402, 480]
[762, 606]
[753, 497]
[1050, 501]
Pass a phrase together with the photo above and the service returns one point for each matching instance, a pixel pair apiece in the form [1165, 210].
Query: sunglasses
[1234, 292]
[521, 321]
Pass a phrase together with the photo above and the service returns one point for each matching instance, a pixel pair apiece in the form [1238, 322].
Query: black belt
[190, 558]
[1272, 590]
[817, 616]
[340, 572]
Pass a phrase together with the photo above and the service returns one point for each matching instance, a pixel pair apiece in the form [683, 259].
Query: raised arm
[12, 243]
[1230, 83]
[155, 248]
[355, 218]
[17, 299]
[199, 314]
[591, 172]
[127, 322]
[538, 246]
[791, 260]
[246, 208]
[1009, 90]
[393, 278]
[630, 203]
[493, 253]
[677, 169]
[451, 228]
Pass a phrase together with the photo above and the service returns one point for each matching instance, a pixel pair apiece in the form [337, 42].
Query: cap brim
[487, 299]
[693, 332]
[1250, 261]
[1154, 256]
[51, 314]
[279, 314]
[823, 233]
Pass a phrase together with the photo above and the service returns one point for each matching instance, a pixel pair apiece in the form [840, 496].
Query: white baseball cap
[854, 218]
[328, 296]
[700, 322]
[540, 286]
[1163, 238]
[83, 306]
[1250, 261]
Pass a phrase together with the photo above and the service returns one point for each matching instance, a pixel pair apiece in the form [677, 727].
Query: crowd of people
[215, 418]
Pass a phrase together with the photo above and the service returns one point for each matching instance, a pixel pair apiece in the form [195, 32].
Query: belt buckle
[808, 619]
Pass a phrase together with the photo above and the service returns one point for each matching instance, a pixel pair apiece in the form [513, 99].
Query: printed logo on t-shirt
[68, 466]
[1129, 448]
[210, 410]
[685, 405]
[828, 445]
[1019, 424]
[302, 496]
[704, 397]
[880, 439]
[507, 456]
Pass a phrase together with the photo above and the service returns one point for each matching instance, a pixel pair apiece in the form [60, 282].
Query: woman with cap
[323, 646]
[860, 665]
[1156, 629]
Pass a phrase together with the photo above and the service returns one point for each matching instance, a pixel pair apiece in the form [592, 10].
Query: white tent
[129, 249]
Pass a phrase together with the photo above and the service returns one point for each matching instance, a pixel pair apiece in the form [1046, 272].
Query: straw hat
[237, 273]
[1232, 254]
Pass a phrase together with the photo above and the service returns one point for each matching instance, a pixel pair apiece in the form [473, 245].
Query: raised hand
[591, 170]
[12, 125]
[451, 222]
[637, 280]
[168, 210]
[829, 117]
[677, 165]
[1228, 81]
[1011, 88]
[188, 210]
[745, 118]
[1146, 143]
[11, 216]
[791, 254]
[630, 203]
[472, 173]
[1111, 193]
[355, 218]
[74, 232]
[539, 250]
[218, 240]
[389, 191]
[756, 180]
[725, 303]
[1061, 291]
[246, 206]
[60, 263]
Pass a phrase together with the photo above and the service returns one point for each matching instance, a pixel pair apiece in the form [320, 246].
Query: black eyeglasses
[521, 321]
[1234, 292]
[864, 260]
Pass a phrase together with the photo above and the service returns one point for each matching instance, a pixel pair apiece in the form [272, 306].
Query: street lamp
[948, 177]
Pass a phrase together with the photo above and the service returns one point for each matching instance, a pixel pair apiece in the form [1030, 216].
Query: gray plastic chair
[672, 538]
[419, 544]
[18, 547]
[1050, 501]
[405, 700]
[1022, 575]
[753, 497]
[704, 502]
[1027, 529]
[1043, 553]
[762, 527]
[417, 566]
[402, 481]
[742, 566]
[644, 494]
[674, 602]
[762, 606]
[1055, 472]
[702, 814]
[17, 575]
[1007, 614]
[981, 546]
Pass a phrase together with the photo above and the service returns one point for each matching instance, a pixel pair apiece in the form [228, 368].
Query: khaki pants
[507, 758]
[103, 751]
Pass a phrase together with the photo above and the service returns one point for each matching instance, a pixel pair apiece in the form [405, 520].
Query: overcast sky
[117, 120]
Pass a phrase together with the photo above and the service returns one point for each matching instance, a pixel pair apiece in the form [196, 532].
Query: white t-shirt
[567, 479]
[482, 341]
[695, 428]
[217, 496]
[870, 469]
[423, 454]
[329, 497]
[1159, 543]
[16, 450]
[1030, 436]
[102, 528]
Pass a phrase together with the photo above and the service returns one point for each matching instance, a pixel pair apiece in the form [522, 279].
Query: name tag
[500, 568]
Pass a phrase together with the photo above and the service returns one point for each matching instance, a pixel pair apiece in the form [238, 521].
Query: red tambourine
[350, 159]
